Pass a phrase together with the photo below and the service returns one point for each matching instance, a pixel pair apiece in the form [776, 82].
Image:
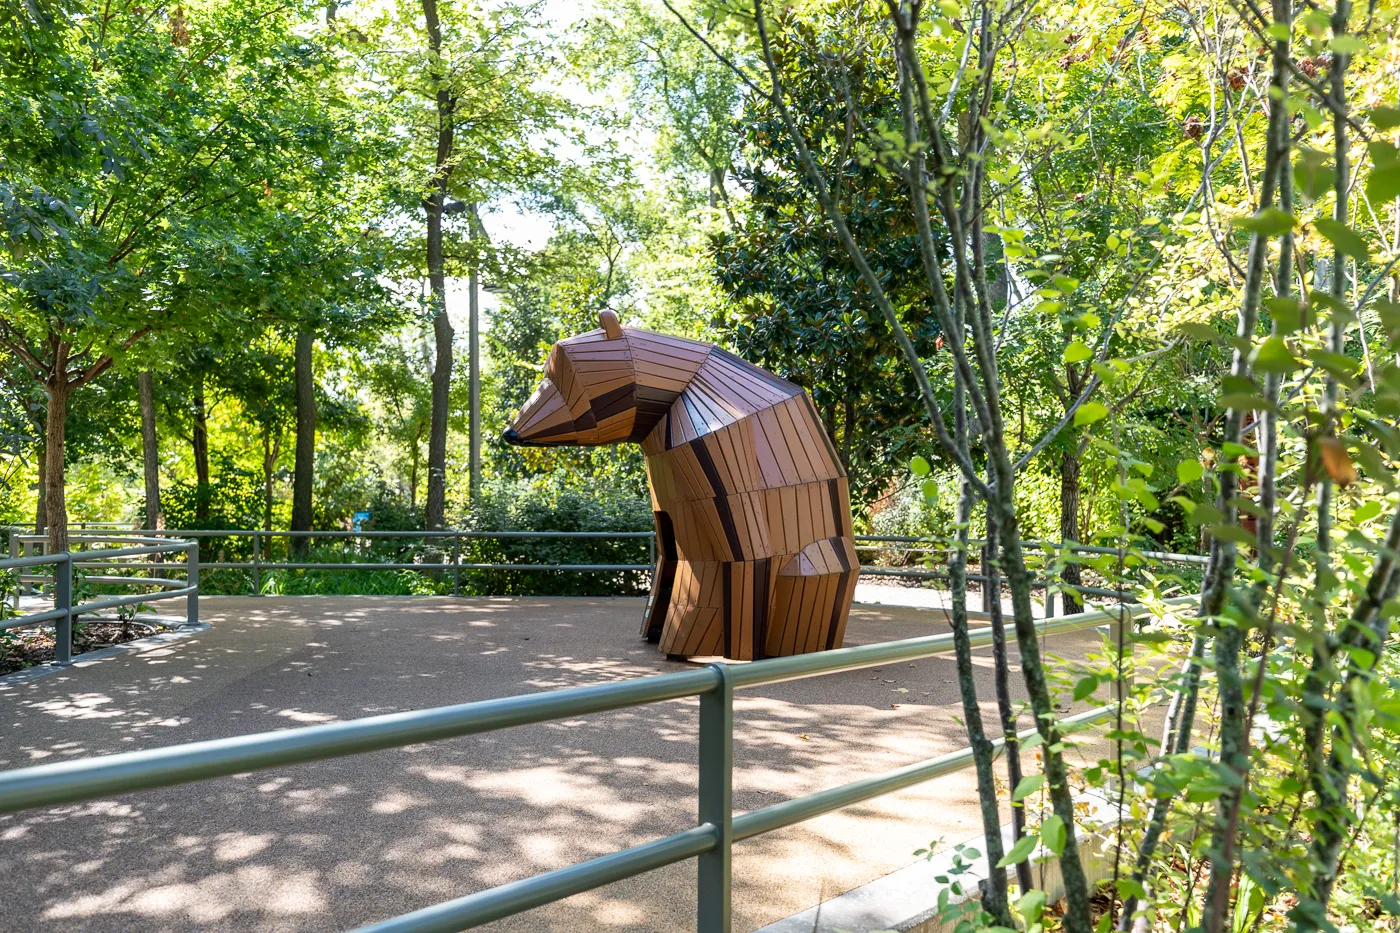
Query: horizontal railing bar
[141, 581]
[38, 560]
[90, 778]
[448, 565]
[92, 557]
[789, 812]
[796, 667]
[132, 600]
[341, 533]
[517, 897]
[34, 618]
[923, 543]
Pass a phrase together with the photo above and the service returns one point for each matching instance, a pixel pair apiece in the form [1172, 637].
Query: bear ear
[608, 321]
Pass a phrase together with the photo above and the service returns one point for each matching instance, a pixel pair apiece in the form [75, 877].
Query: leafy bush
[522, 507]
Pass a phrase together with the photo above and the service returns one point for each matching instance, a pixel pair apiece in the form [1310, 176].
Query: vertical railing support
[1120, 632]
[63, 600]
[716, 802]
[15, 552]
[456, 563]
[257, 564]
[192, 580]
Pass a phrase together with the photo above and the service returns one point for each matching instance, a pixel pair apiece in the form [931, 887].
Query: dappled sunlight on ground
[335, 844]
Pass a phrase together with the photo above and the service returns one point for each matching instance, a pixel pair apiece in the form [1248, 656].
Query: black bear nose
[511, 436]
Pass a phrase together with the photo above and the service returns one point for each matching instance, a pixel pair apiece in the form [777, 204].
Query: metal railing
[451, 554]
[709, 841]
[65, 610]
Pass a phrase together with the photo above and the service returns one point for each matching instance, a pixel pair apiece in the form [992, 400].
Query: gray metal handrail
[453, 563]
[709, 841]
[65, 610]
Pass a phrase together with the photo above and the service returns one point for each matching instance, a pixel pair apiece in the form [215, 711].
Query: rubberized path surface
[332, 845]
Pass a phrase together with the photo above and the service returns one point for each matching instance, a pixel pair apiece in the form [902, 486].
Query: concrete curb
[182, 630]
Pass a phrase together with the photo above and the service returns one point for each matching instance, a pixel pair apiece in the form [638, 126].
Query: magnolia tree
[1266, 266]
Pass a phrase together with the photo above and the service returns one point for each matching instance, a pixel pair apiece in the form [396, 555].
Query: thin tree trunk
[1071, 464]
[995, 899]
[55, 506]
[199, 441]
[474, 362]
[991, 602]
[150, 451]
[437, 282]
[305, 466]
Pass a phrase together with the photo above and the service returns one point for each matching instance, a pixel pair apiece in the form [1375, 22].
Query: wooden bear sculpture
[753, 519]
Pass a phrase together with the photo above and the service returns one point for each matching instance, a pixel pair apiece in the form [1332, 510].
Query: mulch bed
[21, 648]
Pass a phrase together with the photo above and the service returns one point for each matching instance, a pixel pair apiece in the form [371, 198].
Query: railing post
[456, 563]
[15, 552]
[63, 599]
[716, 802]
[192, 579]
[1120, 632]
[257, 564]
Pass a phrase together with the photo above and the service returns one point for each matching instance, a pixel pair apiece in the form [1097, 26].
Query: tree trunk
[150, 452]
[271, 448]
[55, 507]
[474, 365]
[437, 281]
[305, 467]
[199, 440]
[1070, 465]
[991, 602]
[41, 507]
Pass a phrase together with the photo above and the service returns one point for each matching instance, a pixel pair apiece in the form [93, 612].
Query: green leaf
[1314, 173]
[1385, 118]
[1194, 330]
[1205, 514]
[1268, 222]
[1188, 471]
[1347, 44]
[1232, 533]
[1272, 356]
[1077, 352]
[1383, 184]
[1019, 852]
[1347, 241]
[1052, 834]
[1031, 905]
[1286, 312]
[1027, 786]
[1085, 688]
[920, 466]
[1366, 511]
[1089, 412]
[929, 488]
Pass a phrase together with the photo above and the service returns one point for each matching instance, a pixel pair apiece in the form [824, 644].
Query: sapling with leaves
[941, 157]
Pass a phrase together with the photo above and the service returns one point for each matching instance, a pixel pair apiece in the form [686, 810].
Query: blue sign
[359, 520]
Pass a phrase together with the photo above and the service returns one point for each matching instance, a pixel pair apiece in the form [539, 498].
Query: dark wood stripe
[834, 490]
[615, 402]
[841, 589]
[726, 515]
[726, 575]
[826, 438]
[839, 545]
[760, 608]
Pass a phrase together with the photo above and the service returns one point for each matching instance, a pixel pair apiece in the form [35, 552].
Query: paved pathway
[332, 845]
